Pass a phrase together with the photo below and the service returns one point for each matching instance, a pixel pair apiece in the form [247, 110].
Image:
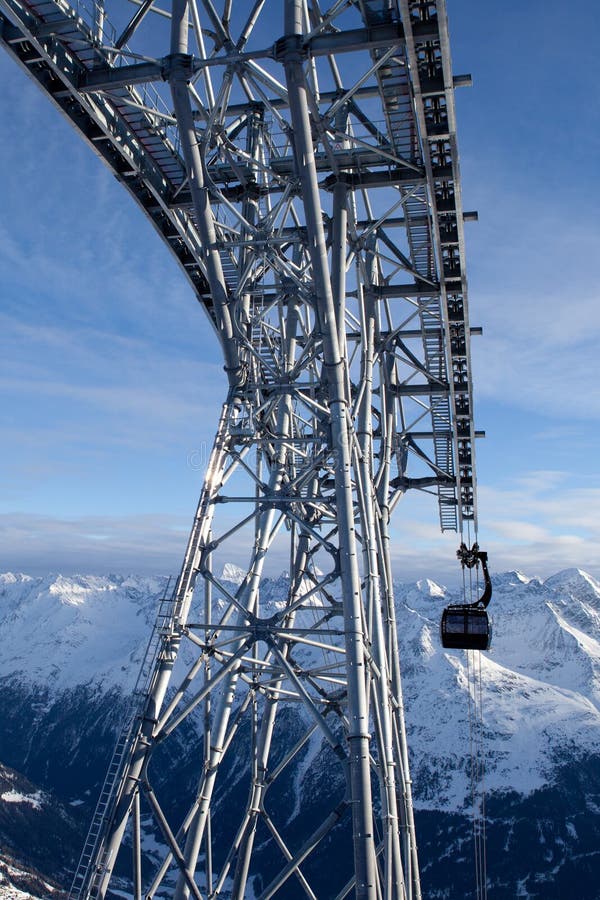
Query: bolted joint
[290, 47]
[260, 631]
[345, 179]
[237, 376]
[252, 190]
[178, 67]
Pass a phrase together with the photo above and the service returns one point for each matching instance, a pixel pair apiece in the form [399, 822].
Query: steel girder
[309, 187]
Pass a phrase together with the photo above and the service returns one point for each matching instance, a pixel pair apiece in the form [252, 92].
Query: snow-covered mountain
[83, 630]
[29, 817]
[539, 683]
[19, 883]
[72, 649]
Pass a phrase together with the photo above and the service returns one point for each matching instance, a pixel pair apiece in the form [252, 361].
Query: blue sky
[111, 378]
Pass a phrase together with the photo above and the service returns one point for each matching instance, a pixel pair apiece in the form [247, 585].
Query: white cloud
[519, 532]
[92, 544]
[543, 378]
[538, 521]
[530, 285]
[541, 523]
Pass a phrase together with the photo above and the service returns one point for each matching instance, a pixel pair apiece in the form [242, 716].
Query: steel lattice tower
[301, 165]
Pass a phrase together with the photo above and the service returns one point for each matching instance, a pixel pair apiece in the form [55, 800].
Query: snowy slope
[64, 632]
[32, 820]
[541, 688]
[18, 883]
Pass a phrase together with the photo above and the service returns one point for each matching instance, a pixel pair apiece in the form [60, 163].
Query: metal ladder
[267, 362]
[91, 865]
[230, 271]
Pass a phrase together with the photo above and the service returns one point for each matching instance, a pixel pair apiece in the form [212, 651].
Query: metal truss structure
[301, 165]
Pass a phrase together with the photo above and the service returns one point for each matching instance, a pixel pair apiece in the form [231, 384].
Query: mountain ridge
[91, 631]
[73, 646]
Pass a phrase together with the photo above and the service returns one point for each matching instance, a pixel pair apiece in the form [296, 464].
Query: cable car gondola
[466, 626]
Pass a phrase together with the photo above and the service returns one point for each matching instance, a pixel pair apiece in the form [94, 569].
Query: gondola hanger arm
[470, 558]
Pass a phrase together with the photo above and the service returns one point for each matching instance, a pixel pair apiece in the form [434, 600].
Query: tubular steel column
[358, 733]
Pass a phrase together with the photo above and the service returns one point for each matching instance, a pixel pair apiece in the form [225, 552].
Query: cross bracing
[301, 165]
